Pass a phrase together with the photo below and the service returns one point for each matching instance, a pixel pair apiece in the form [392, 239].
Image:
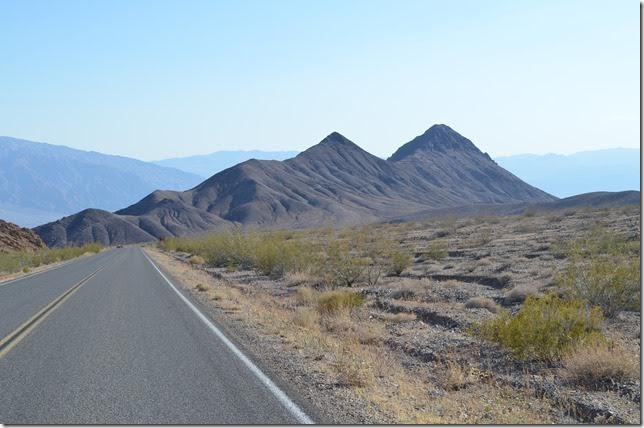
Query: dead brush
[410, 289]
[400, 317]
[305, 317]
[599, 365]
[350, 370]
[482, 302]
[305, 296]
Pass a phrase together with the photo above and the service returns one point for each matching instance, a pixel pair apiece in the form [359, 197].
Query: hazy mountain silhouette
[40, 182]
[210, 164]
[583, 172]
[334, 182]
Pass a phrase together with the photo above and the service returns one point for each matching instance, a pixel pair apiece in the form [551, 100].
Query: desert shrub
[528, 212]
[338, 300]
[272, 253]
[482, 302]
[196, 260]
[399, 317]
[342, 266]
[516, 295]
[435, 251]
[305, 296]
[373, 272]
[454, 377]
[305, 317]
[544, 328]
[597, 365]
[399, 261]
[409, 289]
[612, 285]
[604, 269]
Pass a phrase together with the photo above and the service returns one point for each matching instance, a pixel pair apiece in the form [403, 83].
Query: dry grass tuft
[331, 302]
[597, 365]
[305, 296]
[196, 260]
[517, 295]
[201, 287]
[399, 317]
[482, 302]
[409, 289]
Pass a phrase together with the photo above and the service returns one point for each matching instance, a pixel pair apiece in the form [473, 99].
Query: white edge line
[274, 389]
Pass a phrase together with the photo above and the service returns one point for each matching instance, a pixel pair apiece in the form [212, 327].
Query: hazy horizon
[155, 80]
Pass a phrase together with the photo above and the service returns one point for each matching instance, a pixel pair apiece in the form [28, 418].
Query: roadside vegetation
[443, 321]
[337, 258]
[15, 261]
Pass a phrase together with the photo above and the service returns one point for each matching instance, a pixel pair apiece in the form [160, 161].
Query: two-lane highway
[124, 347]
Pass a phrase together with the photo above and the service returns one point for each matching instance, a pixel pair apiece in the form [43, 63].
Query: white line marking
[274, 389]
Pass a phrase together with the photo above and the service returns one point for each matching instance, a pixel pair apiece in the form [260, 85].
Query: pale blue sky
[155, 79]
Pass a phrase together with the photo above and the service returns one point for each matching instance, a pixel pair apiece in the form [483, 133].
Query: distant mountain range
[583, 172]
[208, 165]
[332, 183]
[42, 182]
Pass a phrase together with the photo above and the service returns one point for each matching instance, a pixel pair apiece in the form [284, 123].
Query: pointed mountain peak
[335, 138]
[438, 138]
[334, 143]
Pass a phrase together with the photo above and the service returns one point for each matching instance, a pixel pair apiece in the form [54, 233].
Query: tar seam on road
[13, 338]
[274, 389]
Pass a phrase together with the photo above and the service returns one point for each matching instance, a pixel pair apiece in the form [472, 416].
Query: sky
[158, 79]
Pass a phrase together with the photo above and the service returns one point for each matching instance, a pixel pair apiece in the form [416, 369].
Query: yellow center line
[13, 338]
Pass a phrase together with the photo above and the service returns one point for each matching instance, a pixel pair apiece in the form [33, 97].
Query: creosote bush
[435, 251]
[545, 328]
[337, 258]
[604, 269]
[400, 260]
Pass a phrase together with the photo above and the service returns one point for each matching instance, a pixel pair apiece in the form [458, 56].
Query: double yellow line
[13, 338]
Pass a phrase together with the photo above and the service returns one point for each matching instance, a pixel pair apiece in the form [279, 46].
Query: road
[124, 346]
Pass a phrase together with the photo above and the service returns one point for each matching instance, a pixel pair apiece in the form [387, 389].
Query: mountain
[593, 200]
[332, 183]
[208, 165]
[40, 182]
[567, 175]
[13, 237]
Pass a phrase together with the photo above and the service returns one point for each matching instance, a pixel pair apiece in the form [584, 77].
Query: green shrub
[544, 328]
[399, 261]
[612, 285]
[604, 269]
[342, 266]
[337, 300]
[435, 251]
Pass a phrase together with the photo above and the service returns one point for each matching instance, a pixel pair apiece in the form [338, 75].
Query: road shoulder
[283, 362]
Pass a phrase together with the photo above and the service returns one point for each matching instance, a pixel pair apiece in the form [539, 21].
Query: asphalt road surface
[108, 339]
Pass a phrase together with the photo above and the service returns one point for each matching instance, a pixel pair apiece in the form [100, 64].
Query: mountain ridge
[41, 180]
[334, 181]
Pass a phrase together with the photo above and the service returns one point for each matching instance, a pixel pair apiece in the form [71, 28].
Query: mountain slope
[44, 181]
[600, 170]
[210, 164]
[332, 183]
[13, 237]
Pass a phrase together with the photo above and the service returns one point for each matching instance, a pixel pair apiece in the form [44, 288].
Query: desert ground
[533, 318]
